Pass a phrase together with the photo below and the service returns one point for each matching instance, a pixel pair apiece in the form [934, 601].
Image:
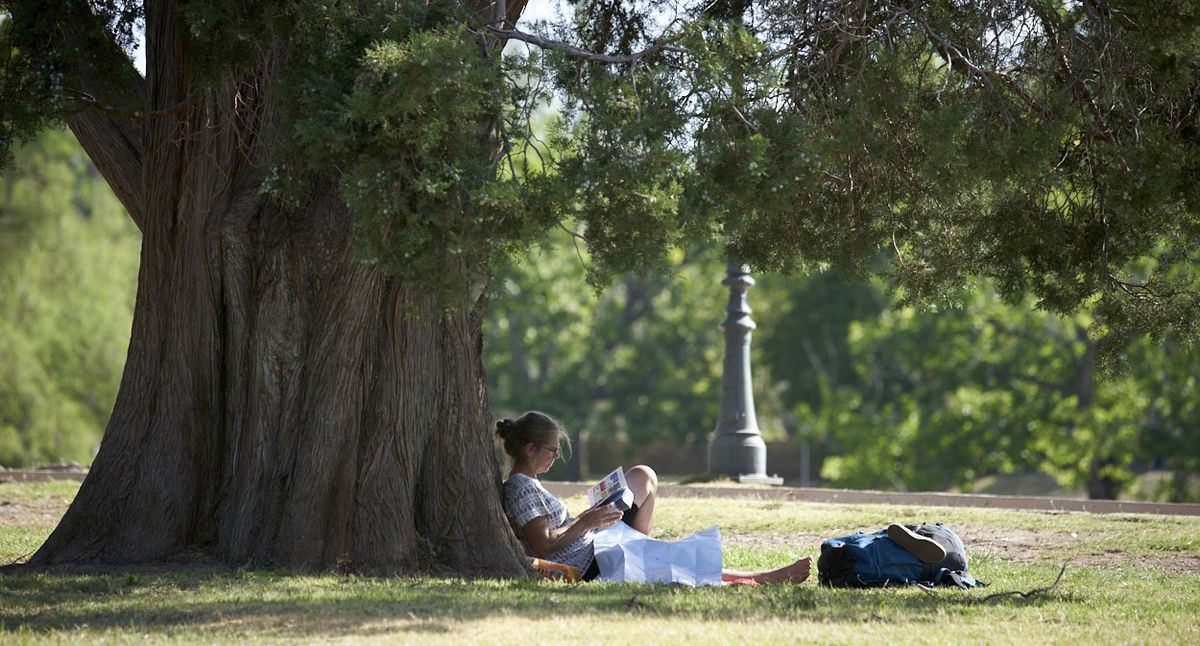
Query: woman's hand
[545, 541]
[600, 517]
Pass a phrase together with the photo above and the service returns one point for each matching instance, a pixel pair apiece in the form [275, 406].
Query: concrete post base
[754, 479]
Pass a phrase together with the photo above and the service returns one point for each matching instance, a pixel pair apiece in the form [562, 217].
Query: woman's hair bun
[533, 426]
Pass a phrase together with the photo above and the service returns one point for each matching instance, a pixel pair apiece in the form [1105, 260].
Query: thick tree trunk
[281, 403]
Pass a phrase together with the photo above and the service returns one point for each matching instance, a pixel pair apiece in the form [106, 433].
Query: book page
[612, 482]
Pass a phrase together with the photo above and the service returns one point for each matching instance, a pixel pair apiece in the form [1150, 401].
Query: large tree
[282, 402]
[324, 189]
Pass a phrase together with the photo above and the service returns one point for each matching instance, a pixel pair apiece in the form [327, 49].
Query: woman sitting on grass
[533, 441]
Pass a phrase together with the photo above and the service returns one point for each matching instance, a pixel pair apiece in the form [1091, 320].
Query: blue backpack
[874, 560]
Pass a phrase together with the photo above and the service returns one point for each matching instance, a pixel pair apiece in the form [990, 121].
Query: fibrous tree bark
[282, 403]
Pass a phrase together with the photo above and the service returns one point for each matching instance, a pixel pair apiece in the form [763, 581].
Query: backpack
[874, 560]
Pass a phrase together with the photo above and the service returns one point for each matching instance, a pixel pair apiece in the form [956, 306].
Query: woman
[542, 521]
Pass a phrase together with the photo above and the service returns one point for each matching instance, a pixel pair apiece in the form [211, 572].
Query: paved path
[857, 497]
[804, 494]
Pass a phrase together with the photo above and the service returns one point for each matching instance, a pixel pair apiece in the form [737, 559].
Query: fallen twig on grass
[1023, 595]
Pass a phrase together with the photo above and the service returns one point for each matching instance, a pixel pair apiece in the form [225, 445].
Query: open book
[612, 489]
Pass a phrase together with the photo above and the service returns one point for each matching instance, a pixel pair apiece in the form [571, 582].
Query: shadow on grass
[283, 603]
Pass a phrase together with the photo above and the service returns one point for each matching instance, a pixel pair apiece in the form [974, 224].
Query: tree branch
[1077, 85]
[137, 114]
[114, 143]
[545, 43]
[1148, 290]
[575, 238]
[103, 72]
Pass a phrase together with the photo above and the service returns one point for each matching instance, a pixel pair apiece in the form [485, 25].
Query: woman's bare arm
[544, 540]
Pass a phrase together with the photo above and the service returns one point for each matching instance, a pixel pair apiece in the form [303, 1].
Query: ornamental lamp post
[737, 449]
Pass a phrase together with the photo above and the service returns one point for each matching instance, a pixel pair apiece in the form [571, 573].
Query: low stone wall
[783, 458]
[42, 475]
[799, 494]
[918, 499]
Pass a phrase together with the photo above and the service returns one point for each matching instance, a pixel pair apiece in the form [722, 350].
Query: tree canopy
[1051, 146]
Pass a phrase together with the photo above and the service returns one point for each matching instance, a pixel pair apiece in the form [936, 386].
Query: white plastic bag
[625, 554]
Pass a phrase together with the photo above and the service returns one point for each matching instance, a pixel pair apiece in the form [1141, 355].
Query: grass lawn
[1129, 579]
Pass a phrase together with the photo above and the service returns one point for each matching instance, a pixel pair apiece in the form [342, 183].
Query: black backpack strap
[835, 568]
[962, 580]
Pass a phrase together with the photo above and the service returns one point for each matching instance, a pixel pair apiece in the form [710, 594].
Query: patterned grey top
[526, 499]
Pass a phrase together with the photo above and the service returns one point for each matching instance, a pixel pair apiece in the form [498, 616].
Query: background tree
[324, 189]
[68, 259]
[638, 362]
[953, 395]
[1167, 375]
[884, 395]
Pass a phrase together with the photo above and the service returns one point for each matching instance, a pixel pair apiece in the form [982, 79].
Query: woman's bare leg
[794, 573]
[643, 482]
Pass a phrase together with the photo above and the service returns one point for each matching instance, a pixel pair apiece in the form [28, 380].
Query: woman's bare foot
[794, 573]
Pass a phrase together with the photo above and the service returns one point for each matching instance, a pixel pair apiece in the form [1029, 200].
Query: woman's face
[542, 456]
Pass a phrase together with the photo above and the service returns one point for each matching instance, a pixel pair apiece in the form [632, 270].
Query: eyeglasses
[552, 449]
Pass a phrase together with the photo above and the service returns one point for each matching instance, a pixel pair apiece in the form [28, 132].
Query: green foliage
[39, 83]
[804, 331]
[639, 361]
[952, 145]
[68, 262]
[27, 89]
[886, 395]
[406, 104]
[1050, 147]
[1170, 386]
[618, 171]
[415, 176]
[935, 399]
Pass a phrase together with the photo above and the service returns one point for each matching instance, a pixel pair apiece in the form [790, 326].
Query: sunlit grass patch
[28, 511]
